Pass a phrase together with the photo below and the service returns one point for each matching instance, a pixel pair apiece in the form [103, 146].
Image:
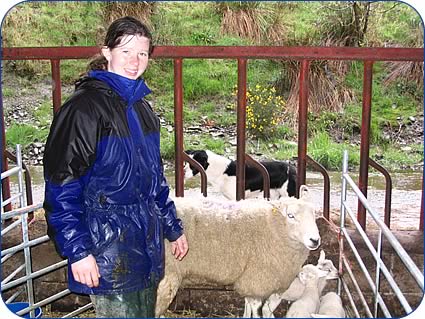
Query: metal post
[388, 190]
[25, 235]
[241, 123]
[342, 216]
[5, 184]
[378, 273]
[302, 124]
[364, 140]
[57, 90]
[421, 218]
[326, 186]
[178, 125]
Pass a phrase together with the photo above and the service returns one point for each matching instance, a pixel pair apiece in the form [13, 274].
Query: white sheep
[258, 246]
[330, 307]
[309, 301]
[296, 288]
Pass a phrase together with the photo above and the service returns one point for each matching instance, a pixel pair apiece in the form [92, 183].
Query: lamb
[330, 307]
[308, 303]
[255, 245]
[296, 288]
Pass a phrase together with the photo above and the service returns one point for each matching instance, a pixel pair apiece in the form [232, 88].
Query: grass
[7, 92]
[328, 153]
[201, 141]
[24, 134]
[52, 24]
[394, 158]
[44, 114]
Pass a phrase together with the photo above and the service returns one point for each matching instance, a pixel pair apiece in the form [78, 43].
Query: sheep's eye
[291, 215]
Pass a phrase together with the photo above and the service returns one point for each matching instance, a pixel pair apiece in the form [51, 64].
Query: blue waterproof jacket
[105, 191]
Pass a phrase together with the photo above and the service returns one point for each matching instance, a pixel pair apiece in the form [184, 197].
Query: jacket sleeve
[69, 153]
[173, 227]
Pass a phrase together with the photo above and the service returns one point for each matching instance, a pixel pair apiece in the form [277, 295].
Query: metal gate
[350, 283]
[17, 259]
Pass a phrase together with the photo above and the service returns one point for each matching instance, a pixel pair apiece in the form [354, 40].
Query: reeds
[142, 10]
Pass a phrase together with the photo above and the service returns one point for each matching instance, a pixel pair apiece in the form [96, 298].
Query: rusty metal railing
[263, 171]
[326, 185]
[201, 171]
[243, 54]
[388, 190]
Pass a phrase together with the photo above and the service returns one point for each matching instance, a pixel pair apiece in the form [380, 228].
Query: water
[406, 193]
[405, 200]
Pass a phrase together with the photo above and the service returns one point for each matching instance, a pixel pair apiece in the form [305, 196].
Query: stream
[406, 193]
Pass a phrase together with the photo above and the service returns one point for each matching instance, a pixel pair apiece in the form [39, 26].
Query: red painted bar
[326, 185]
[421, 218]
[178, 125]
[241, 120]
[266, 177]
[5, 185]
[57, 90]
[302, 123]
[364, 139]
[388, 190]
[229, 52]
[201, 170]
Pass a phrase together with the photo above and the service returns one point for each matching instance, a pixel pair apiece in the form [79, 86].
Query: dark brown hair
[116, 31]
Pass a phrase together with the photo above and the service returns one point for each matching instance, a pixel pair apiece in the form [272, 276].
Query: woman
[106, 197]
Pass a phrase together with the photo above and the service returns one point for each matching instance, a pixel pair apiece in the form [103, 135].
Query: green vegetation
[209, 84]
[24, 134]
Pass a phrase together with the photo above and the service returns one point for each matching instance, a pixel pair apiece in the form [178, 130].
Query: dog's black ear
[202, 158]
[189, 152]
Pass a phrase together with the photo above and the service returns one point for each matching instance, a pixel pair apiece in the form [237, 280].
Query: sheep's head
[310, 274]
[300, 219]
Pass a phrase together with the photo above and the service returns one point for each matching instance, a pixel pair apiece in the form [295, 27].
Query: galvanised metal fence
[21, 277]
[381, 270]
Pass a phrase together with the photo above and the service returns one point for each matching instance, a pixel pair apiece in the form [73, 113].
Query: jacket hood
[128, 89]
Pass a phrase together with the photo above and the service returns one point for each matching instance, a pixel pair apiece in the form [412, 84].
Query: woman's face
[130, 57]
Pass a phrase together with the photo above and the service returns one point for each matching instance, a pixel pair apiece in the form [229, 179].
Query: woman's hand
[86, 271]
[180, 247]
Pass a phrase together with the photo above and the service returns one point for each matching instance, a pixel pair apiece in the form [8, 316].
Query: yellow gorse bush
[263, 111]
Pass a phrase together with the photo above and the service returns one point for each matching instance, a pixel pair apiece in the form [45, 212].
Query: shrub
[263, 111]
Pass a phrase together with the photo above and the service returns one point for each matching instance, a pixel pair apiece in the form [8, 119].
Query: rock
[38, 145]
[217, 134]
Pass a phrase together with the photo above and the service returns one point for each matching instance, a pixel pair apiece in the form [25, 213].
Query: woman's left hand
[180, 247]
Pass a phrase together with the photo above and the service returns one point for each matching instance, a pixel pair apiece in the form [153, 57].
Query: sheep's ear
[279, 207]
[321, 257]
[304, 192]
[302, 276]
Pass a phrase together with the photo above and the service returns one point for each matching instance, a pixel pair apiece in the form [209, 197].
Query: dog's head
[201, 157]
